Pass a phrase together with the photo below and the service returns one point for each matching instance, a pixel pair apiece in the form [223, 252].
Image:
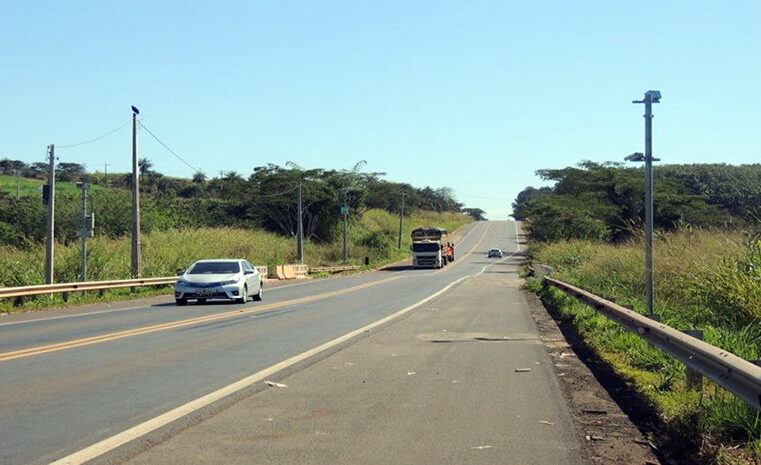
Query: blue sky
[473, 95]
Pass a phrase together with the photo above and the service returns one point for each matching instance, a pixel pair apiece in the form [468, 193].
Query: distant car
[234, 279]
[495, 253]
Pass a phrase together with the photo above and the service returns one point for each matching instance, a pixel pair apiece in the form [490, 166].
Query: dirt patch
[608, 434]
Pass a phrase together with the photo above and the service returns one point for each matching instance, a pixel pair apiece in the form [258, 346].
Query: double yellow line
[4, 357]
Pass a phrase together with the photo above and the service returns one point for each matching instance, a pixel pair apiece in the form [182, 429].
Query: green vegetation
[265, 200]
[183, 220]
[164, 252]
[588, 225]
[606, 201]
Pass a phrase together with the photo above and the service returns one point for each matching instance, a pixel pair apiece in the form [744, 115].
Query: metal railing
[65, 288]
[27, 291]
[733, 373]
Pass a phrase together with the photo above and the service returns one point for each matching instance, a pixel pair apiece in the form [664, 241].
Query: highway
[67, 383]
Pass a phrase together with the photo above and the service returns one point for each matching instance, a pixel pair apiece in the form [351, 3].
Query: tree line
[265, 199]
[605, 201]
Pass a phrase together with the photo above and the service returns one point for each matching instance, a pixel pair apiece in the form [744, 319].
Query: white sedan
[233, 279]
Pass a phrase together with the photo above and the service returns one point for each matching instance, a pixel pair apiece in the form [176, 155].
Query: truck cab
[426, 247]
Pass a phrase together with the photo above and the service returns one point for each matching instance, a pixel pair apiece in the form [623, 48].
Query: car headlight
[182, 282]
[228, 282]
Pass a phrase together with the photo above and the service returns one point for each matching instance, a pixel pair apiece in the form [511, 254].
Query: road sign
[344, 210]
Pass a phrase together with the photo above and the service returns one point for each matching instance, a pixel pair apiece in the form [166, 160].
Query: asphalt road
[69, 382]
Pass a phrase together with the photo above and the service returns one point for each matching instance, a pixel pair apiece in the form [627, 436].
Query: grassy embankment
[28, 187]
[374, 235]
[704, 280]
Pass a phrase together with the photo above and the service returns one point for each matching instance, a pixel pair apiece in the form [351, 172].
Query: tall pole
[649, 297]
[136, 268]
[401, 221]
[51, 217]
[105, 173]
[300, 231]
[345, 213]
[84, 231]
[651, 96]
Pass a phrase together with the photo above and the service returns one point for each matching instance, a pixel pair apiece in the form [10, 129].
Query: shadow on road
[398, 268]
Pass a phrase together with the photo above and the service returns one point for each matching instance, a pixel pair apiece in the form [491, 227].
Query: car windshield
[494, 250]
[215, 268]
[425, 247]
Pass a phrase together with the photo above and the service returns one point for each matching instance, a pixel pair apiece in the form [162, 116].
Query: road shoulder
[606, 433]
[462, 379]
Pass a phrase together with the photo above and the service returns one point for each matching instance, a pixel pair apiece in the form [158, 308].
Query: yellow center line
[178, 324]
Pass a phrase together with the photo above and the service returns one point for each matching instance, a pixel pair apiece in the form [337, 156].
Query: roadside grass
[165, 252]
[32, 187]
[709, 280]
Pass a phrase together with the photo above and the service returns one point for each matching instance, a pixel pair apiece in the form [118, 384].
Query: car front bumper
[232, 291]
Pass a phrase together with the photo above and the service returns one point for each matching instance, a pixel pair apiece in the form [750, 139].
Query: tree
[475, 213]
[145, 166]
[199, 177]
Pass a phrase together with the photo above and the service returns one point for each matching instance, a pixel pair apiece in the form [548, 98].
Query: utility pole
[345, 213]
[105, 173]
[651, 96]
[85, 230]
[51, 216]
[300, 231]
[401, 221]
[136, 268]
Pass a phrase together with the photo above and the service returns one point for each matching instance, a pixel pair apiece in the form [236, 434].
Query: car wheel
[259, 295]
[181, 301]
[244, 298]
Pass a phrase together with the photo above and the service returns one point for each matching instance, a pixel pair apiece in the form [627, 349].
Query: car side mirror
[248, 272]
[180, 272]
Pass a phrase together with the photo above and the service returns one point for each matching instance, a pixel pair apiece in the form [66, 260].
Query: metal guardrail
[28, 291]
[733, 373]
[333, 269]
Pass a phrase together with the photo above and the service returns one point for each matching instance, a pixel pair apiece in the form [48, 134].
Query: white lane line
[37, 320]
[144, 428]
[118, 440]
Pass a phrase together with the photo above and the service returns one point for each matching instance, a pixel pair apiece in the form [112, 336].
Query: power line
[276, 194]
[92, 140]
[167, 147]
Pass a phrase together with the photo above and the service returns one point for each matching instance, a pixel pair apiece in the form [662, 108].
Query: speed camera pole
[136, 268]
[651, 96]
[401, 221]
[49, 256]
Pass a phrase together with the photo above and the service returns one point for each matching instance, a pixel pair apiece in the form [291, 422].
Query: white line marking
[153, 424]
[37, 320]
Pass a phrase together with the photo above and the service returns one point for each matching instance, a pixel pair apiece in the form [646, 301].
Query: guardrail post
[18, 301]
[101, 293]
[65, 296]
[694, 378]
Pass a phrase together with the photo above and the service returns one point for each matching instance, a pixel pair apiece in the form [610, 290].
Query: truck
[428, 247]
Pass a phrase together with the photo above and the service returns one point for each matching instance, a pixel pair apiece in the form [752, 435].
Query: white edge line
[153, 424]
[98, 312]
[109, 444]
